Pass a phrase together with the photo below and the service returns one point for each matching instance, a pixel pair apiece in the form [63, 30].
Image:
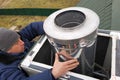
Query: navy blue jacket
[9, 69]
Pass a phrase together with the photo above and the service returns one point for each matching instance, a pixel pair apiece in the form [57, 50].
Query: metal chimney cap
[88, 25]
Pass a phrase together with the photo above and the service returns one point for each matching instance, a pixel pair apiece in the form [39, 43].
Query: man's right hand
[61, 68]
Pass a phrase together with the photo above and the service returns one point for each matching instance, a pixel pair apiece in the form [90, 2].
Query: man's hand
[61, 68]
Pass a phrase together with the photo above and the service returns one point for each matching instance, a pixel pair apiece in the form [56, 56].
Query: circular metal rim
[90, 25]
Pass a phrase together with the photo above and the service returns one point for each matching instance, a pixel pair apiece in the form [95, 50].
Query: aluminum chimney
[72, 29]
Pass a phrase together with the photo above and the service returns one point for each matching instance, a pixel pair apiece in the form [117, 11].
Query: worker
[15, 45]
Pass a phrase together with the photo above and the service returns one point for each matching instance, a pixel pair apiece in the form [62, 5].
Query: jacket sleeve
[32, 30]
[45, 75]
[16, 74]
